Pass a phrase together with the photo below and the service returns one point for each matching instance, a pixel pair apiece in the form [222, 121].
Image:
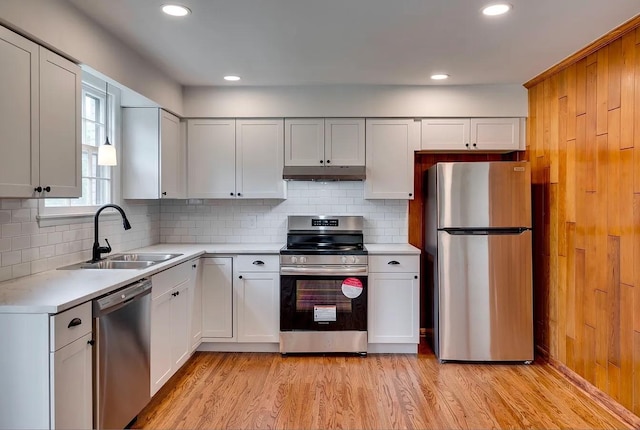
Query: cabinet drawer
[69, 325]
[166, 280]
[387, 263]
[258, 263]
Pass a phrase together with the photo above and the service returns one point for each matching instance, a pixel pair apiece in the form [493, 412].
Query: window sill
[71, 218]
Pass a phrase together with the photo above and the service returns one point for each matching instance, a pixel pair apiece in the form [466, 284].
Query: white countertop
[391, 248]
[57, 290]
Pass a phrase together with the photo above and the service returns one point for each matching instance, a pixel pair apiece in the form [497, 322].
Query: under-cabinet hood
[324, 173]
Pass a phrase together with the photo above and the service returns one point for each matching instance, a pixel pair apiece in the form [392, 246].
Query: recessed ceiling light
[232, 78]
[496, 9]
[175, 10]
[439, 76]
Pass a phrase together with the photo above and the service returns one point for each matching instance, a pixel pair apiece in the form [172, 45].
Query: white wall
[265, 221]
[26, 248]
[58, 25]
[357, 101]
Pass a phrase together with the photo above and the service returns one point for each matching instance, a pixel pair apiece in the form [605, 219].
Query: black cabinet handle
[259, 263]
[474, 145]
[47, 189]
[91, 342]
[415, 277]
[240, 277]
[410, 194]
[466, 144]
[74, 322]
[230, 194]
[164, 193]
[194, 266]
[239, 194]
[328, 161]
[393, 263]
[321, 161]
[38, 189]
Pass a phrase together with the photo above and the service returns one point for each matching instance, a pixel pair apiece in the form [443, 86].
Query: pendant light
[106, 151]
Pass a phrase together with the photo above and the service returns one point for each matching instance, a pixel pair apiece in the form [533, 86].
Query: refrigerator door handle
[485, 231]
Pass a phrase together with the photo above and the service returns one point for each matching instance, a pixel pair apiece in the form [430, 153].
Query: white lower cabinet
[217, 299]
[394, 299]
[195, 303]
[170, 321]
[71, 385]
[241, 299]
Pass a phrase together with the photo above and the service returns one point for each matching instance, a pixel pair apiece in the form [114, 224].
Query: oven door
[323, 302]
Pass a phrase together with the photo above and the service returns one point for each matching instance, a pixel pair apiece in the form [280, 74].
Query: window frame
[49, 216]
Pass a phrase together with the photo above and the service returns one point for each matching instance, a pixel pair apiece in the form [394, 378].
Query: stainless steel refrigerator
[478, 232]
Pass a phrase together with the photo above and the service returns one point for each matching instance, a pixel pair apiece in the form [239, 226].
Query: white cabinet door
[394, 308]
[60, 128]
[140, 154]
[344, 142]
[390, 147]
[19, 169]
[258, 307]
[195, 303]
[71, 385]
[180, 326]
[161, 341]
[495, 134]
[259, 161]
[445, 134]
[217, 298]
[304, 142]
[171, 157]
[211, 158]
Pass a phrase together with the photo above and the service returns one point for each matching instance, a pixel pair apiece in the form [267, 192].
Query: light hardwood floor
[268, 391]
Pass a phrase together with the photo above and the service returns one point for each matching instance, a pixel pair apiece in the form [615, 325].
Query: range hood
[324, 173]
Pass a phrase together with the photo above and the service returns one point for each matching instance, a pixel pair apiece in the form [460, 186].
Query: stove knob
[294, 260]
[353, 259]
[303, 260]
[344, 260]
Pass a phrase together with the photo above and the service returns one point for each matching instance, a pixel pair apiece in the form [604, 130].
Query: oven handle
[325, 270]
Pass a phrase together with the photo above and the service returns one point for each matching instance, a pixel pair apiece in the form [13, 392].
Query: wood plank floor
[387, 391]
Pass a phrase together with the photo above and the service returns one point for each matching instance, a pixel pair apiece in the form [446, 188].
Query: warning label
[352, 287]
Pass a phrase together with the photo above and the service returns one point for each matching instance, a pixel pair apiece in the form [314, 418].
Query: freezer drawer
[485, 302]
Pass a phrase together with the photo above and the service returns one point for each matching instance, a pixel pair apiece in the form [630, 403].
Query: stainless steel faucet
[97, 249]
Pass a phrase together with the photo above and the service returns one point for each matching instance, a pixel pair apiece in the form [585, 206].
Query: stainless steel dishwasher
[121, 357]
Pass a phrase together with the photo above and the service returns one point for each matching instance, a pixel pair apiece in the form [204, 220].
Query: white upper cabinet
[153, 155]
[235, 159]
[40, 99]
[475, 134]
[390, 148]
[324, 142]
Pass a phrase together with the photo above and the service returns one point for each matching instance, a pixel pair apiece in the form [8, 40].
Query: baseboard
[542, 353]
[597, 395]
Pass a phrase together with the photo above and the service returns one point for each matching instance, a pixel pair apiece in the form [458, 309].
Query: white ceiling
[385, 42]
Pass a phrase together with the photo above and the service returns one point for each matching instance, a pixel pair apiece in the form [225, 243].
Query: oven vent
[324, 173]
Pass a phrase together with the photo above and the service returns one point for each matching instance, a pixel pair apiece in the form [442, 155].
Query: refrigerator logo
[518, 169]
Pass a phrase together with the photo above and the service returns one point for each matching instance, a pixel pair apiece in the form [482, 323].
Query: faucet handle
[107, 249]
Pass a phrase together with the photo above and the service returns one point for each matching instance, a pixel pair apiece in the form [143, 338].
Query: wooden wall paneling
[552, 129]
[570, 186]
[553, 270]
[613, 142]
[636, 263]
[590, 354]
[571, 282]
[562, 84]
[602, 338]
[627, 227]
[626, 345]
[602, 90]
[613, 265]
[532, 127]
[571, 102]
[591, 117]
[592, 265]
[599, 210]
[539, 123]
[581, 173]
[636, 371]
[615, 70]
[579, 312]
[636, 119]
[581, 87]
[561, 331]
[613, 374]
[627, 86]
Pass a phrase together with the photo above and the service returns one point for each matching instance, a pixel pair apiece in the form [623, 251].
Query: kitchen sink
[124, 261]
[152, 257]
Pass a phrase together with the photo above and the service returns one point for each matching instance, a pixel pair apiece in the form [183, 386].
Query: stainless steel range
[323, 286]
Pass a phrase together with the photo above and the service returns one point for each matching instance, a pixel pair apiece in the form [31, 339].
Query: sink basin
[145, 257]
[110, 264]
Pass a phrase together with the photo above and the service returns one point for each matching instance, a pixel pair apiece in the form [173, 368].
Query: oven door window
[323, 303]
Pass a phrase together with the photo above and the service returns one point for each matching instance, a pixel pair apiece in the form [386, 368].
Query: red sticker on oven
[352, 287]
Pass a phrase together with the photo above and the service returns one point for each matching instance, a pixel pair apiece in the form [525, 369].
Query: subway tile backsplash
[264, 221]
[26, 248]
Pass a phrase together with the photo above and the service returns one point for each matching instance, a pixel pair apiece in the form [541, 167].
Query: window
[97, 181]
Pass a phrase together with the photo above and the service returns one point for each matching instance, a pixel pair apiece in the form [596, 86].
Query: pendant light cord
[106, 126]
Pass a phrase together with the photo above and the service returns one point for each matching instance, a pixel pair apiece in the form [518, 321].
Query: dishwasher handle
[119, 298]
